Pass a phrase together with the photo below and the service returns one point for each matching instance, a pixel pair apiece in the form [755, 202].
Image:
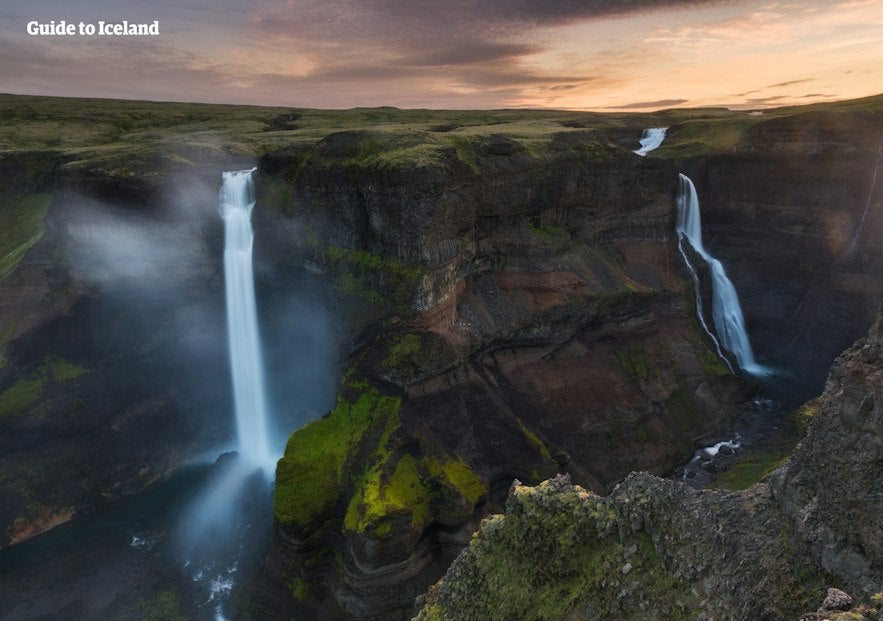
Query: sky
[635, 55]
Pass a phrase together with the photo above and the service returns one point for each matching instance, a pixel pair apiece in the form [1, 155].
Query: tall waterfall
[237, 201]
[725, 309]
[651, 139]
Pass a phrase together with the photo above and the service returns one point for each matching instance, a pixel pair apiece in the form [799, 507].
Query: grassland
[128, 137]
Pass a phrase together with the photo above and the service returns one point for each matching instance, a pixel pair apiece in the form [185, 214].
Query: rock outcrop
[657, 549]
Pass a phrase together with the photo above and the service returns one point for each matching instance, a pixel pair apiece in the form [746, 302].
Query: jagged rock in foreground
[657, 549]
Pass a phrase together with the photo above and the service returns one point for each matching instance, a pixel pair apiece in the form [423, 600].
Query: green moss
[531, 437]
[61, 370]
[374, 278]
[458, 477]
[164, 606]
[542, 563]
[712, 365]
[682, 408]
[751, 469]
[21, 226]
[403, 348]
[632, 362]
[804, 415]
[20, 396]
[381, 498]
[6, 333]
[465, 149]
[300, 590]
[548, 232]
[309, 475]
[706, 136]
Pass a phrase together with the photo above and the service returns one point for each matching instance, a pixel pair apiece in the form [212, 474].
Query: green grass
[751, 469]
[21, 226]
[164, 606]
[300, 590]
[377, 279]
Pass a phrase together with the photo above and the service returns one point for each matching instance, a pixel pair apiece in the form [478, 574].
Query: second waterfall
[726, 313]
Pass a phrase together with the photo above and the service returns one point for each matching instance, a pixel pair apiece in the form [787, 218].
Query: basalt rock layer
[553, 330]
[657, 549]
[506, 289]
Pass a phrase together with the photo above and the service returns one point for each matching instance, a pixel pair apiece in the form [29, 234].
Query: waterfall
[726, 313]
[651, 139]
[858, 231]
[237, 201]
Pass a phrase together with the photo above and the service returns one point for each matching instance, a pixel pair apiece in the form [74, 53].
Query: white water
[726, 313]
[237, 202]
[651, 139]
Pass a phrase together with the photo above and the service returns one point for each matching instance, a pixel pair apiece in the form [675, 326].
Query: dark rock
[836, 600]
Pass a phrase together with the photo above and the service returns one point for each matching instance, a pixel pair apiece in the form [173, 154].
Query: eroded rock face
[763, 553]
[832, 487]
[554, 332]
[793, 210]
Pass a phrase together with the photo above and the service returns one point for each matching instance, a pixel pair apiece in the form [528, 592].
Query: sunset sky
[590, 54]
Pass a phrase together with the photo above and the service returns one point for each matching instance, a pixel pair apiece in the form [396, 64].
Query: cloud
[789, 83]
[641, 105]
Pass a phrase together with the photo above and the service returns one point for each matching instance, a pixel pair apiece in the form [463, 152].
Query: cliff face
[92, 378]
[808, 186]
[564, 334]
[555, 331]
[656, 549]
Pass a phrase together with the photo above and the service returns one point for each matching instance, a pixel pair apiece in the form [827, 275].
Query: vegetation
[381, 497]
[61, 370]
[752, 469]
[21, 396]
[632, 362]
[551, 559]
[164, 606]
[683, 410]
[401, 350]
[373, 278]
[397, 485]
[309, 475]
[541, 447]
[21, 226]
[300, 590]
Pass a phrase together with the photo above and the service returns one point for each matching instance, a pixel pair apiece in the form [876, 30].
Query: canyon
[505, 294]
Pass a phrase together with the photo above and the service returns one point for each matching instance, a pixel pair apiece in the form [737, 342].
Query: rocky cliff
[806, 184]
[505, 288]
[657, 549]
[547, 309]
[549, 327]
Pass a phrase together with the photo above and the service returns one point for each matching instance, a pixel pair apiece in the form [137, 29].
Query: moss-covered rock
[309, 477]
